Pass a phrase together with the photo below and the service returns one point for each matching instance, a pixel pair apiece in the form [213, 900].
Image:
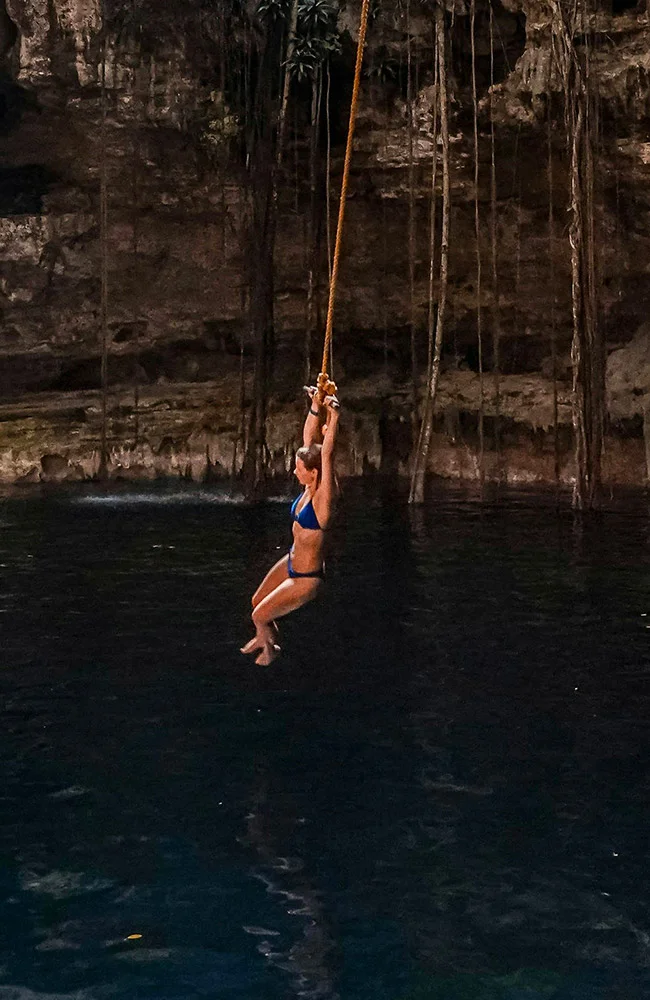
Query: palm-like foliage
[317, 36]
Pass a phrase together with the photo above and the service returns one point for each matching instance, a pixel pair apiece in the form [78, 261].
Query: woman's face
[304, 475]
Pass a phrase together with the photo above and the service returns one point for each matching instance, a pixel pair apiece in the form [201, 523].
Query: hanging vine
[103, 238]
[479, 264]
[135, 227]
[496, 305]
[431, 317]
[416, 494]
[411, 216]
[309, 28]
[266, 145]
[551, 276]
[312, 219]
[587, 348]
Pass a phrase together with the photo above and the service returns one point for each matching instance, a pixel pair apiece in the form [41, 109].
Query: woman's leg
[287, 597]
[275, 576]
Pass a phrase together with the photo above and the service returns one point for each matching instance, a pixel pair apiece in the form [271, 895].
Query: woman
[297, 577]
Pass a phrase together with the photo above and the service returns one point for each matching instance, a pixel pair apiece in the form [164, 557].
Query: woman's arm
[311, 432]
[325, 492]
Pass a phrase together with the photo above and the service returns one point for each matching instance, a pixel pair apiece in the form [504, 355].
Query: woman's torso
[308, 537]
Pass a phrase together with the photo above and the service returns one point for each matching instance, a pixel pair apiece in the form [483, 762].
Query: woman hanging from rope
[297, 577]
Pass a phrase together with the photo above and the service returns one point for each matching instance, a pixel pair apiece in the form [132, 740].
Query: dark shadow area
[27, 373]
[627, 427]
[8, 30]
[22, 189]
[509, 40]
[183, 361]
[464, 425]
[14, 100]
[627, 6]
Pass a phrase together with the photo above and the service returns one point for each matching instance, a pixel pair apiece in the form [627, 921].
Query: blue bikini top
[307, 516]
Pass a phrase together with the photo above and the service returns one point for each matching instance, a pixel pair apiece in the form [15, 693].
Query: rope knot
[325, 385]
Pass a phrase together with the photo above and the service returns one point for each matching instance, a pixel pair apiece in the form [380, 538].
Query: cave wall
[178, 259]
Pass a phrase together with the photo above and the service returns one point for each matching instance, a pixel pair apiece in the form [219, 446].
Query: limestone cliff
[178, 252]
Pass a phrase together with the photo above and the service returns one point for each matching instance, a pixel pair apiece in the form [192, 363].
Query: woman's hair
[310, 456]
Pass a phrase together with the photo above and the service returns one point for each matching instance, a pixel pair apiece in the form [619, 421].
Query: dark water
[440, 790]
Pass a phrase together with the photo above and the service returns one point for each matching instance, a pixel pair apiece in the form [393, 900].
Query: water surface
[438, 792]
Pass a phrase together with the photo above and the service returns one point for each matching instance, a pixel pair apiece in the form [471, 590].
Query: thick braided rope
[344, 184]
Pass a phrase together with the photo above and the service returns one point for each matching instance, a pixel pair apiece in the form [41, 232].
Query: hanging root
[587, 349]
[416, 494]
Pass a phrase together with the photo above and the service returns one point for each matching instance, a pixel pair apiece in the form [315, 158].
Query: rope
[324, 383]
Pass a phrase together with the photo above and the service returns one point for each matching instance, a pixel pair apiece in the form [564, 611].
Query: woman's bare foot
[269, 653]
[250, 647]
[264, 636]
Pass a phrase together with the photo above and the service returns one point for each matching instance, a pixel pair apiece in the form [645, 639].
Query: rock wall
[178, 258]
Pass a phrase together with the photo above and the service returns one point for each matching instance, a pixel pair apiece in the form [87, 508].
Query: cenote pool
[439, 792]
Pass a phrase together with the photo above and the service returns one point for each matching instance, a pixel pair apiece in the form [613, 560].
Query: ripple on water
[156, 499]
[62, 884]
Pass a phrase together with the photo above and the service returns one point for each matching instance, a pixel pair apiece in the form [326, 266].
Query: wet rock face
[179, 257]
[54, 37]
[8, 31]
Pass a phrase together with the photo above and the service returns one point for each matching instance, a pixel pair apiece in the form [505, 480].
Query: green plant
[317, 36]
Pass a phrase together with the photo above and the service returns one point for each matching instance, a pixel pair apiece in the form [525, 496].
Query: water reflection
[309, 959]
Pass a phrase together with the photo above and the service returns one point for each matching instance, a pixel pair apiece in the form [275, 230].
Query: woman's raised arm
[327, 483]
[311, 432]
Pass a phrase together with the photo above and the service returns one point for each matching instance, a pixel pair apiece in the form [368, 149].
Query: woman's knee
[258, 617]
